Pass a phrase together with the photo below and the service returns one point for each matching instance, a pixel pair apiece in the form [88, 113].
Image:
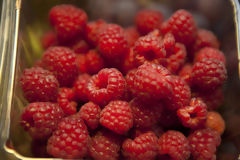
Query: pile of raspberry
[146, 92]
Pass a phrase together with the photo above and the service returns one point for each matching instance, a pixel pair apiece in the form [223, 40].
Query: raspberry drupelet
[80, 87]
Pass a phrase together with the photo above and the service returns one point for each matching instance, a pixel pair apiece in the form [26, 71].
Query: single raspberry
[175, 145]
[105, 145]
[117, 116]
[185, 73]
[80, 87]
[148, 49]
[39, 148]
[145, 113]
[150, 81]
[49, 39]
[40, 119]
[148, 20]
[94, 62]
[62, 62]
[169, 119]
[112, 41]
[107, 85]
[208, 73]
[90, 113]
[176, 60]
[181, 93]
[209, 52]
[81, 63]
[66, 97]
[205, 38]
[215, 121]
[143, 147]
[194, 115]
[68, 21]
[70, 140]
[39, 85]
[132, 35]
[203, 143]
[169, 43]
[92, 30]
[181, 24]
[128, 62]
[79, 46]
[213, 99]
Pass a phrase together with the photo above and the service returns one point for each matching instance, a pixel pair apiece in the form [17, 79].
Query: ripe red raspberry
[148, 20]
[150, 81]
[205, 38]
[148, 49]
[194, 115]
[185, 73]
[90, 113]
[128, 62]
[117, 116]
[81, 63]
[112, 41]
[70, 140]
[145, 113]
[181, 93]
[92, 30]
[213, 99]
[181, 24]
[66, 97]
[68, 21]
[107, 85]
[94, 62]
[175, 145]
[143, 147]
[208, 73]
[49, 39]
[62, 62]
[203, 143]
[79, 46]
[132, 35]
[215, 121]
[40, 119]
[169, 43]
[176, 60]
[209, 52]
[39, 85]
[105, 145]
[80, 87]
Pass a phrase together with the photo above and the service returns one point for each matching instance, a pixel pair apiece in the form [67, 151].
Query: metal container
[24, 21]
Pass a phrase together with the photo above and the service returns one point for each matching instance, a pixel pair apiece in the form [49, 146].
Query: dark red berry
[49, 39]
[94, 62]
[132, 35]
[80, 87]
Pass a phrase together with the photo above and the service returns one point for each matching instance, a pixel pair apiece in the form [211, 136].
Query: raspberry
[148, 20]
[107, 85]
[176, 60]
[128, 62]
[132, 35]
[129, 81]
[68, 21]
[181, 24]
[181, 94]
[145, 113]
[209, 52]
[79, 46]
[194, 115]
[150, 81]
[62, 62]
[80, 87]
[112, 41]
[215, 121]
[41, 118]
[213, 99]
[205, 38]
[208, 73]
[148, 49]
[81, 63]
[143, 147]
[203, 143]
[90, 113]
[117, 116]
[39, 85]
[175, 145]
[92, 30]
[185, 73]
[105, 145]
[66, 97]
[49, 39]
[169, 43]
[94, 62]
[70, 140]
